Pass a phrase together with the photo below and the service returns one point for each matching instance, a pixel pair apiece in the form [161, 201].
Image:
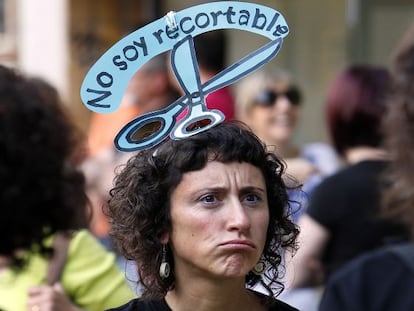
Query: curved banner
[105, 83]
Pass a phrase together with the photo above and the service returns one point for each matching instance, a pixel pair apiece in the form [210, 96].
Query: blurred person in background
[383, 280]
[48, 261]
[343, 219]
[148, 90]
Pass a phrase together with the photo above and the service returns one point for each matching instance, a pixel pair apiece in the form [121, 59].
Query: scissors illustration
[152, 128]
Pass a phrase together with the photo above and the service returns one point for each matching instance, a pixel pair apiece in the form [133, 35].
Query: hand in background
[49, 298]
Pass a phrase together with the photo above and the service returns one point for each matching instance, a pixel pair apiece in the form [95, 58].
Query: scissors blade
[244, 66]
[185, 67]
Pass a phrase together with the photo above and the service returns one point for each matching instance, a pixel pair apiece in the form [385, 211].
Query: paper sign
[104, 85]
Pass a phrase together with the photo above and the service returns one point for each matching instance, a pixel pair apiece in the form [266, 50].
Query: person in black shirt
[383, 280]
[343, 219]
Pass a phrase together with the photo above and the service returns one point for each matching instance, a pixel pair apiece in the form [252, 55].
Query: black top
[161, 305]
[348, 205]
[382, 280]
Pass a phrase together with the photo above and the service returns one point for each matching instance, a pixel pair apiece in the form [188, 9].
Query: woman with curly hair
[205, 220]
[43, 201]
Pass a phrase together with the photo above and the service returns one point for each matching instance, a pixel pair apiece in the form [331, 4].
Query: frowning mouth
[238, 245]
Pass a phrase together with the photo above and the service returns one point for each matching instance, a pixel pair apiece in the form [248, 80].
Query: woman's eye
[209, 199]
[252, 198]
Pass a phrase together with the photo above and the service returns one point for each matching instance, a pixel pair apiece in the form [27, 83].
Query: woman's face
[274, 119]
[219, 218]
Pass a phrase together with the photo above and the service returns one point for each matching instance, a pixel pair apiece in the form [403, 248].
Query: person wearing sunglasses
[270, 104]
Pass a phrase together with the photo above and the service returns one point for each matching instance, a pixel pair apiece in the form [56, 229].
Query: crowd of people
[343, 219]
[227, 219]
[382, 280]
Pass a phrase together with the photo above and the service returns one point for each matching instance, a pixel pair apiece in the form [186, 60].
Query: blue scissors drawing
[152, 128]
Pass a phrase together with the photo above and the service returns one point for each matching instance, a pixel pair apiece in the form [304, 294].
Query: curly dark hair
[41, 190]
[140, 200]
[399, 131]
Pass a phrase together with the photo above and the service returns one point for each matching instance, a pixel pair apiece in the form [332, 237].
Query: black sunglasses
[267, 98]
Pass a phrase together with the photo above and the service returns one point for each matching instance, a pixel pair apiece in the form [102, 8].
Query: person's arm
[50, 298]
[305, 267]
[91, 277]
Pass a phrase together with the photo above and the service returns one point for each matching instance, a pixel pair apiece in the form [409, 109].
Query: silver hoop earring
[259, 267]
[165, 268]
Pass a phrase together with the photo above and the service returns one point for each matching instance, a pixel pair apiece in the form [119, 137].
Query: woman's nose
[238, 218]
[282, 103]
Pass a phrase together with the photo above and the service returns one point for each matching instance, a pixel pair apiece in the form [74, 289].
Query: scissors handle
[198, 120]
[149, 129]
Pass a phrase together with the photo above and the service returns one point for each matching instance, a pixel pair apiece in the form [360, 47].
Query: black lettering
[197, 20]
[244, 17]
[229, 14]
[273, 22]
[93, 102]
[120, 64]
[214, 15]
[133, 55]
[280, 30]
[142, 44]
[171, 33]
[100, 79]
[189, 30]
[259, 17]
[157, 35]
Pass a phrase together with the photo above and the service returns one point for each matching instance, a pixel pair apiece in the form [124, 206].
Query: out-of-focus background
[60, 39]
